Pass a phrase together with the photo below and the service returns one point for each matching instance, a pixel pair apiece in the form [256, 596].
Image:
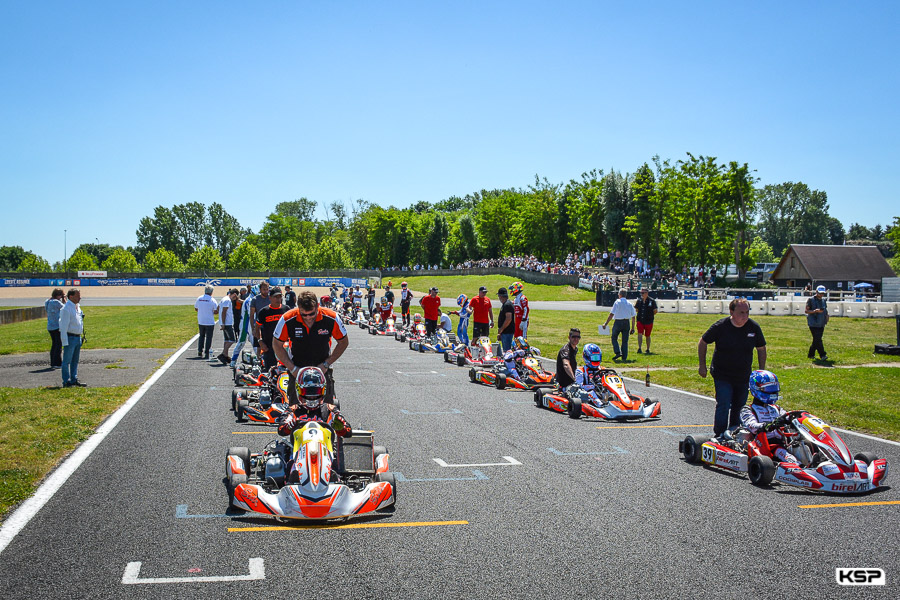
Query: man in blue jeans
[735, 338]
[506, 320]
[71, 328]
[622, 311]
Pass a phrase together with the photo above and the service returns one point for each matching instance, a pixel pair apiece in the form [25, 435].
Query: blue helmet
[462, 299]
[764, 386]
[255, 290]
[592, 355]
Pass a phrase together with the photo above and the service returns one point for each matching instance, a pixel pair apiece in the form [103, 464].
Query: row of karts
[310, 474]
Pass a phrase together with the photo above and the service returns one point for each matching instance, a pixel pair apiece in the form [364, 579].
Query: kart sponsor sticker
[813, 425]
[849, 486]
[709, 454]
[830, 469]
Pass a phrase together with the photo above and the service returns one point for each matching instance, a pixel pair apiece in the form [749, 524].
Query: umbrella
[862, 285]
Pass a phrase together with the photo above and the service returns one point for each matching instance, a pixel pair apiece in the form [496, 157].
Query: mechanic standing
[205, 307]
[522, 310]
[646, 309]
[567, 360]
[309, 328]
[735, 338]
[622, 311]
[431, 305]
[507, 320]
[226, 323]
[482, 315]
[816, 318]
[405, 300]
[266, 320]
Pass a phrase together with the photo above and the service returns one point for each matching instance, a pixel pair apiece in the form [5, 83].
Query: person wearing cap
[506, 319]
[431, 306]
[645, 308]
[816, 318]
[205, 306]
[226, 323]
[405, 300]
[290, 297]
[482, 314]
[520, 303]
[266, 320]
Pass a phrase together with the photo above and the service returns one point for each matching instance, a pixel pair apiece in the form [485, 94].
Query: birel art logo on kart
[847, 576]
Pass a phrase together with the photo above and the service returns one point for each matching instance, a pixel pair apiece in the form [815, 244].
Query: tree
[858, 232]
[247, 257]
[162, 261]
[81, 261]
[10, 257]
[791, 213]
[330, 255]
[192, 227]
[835, 231]
[740, 199]
[301, 210]
[32, 263]
[205, 259]
[615, 196]
[436, 240]
[224, 232]
[290, 255]
[100, 252]
[340, 214]
[640, 225]
[761, 252]
[159, 231]
[121, 261]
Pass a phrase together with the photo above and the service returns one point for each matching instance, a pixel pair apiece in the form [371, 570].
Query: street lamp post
[65, 253]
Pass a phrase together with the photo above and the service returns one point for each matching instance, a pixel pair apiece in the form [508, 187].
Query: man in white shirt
[226, 324]
[205, 306]
[621, 311]
[445, 323]
[71, 328]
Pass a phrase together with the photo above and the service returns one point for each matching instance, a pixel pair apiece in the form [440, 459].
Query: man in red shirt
[431, 305]
[482, 314]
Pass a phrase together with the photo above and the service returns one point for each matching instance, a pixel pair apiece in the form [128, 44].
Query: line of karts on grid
[314, 474]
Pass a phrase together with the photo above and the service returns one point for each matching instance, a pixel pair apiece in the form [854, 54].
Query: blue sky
[112, 108]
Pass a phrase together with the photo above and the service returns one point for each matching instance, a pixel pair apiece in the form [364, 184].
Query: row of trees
[695, 211]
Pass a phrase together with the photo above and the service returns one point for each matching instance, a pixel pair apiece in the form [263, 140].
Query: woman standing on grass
[53, 305]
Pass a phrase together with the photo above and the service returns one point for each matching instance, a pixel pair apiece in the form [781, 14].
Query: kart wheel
[233, 482]
[446, 357]
[460, 360]
[391, 479]
[472, 375]
[500, 381]
[690, 448]
[411, 345]
[866, 457]
[241, 407]
[574, 408]
[539, 398]
[402, 337]
[421, 348]
[378, 451]
[235, 396]
[242, 453]
[761, 470]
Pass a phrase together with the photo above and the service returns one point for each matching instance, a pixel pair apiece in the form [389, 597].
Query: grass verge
[38, 427]
[451, 286]
[110, 327]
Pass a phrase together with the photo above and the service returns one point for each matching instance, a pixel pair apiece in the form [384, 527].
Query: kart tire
[411, 345]
[500, 381]
[391, 479]
[446, 357]
[460, 360]
[472, 375]
[233, 482]
[240, 452]
[539, 398]
[235, 396]
[372, 331]
[402, 337]
[241, 407]
[421, 348]
[574, 408]
[866, 457]
[761, 470]
[690, 448]
[378, 451]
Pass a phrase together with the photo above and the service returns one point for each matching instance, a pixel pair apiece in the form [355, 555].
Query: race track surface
[531, 504]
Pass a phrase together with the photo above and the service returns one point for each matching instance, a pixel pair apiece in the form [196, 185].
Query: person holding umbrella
[816, 318]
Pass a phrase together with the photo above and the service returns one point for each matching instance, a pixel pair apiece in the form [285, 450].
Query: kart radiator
[355, 455]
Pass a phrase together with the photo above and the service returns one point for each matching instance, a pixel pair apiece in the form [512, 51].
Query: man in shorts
[645, 308]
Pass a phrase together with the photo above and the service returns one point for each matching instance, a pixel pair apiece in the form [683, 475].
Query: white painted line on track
[510, 461]
[19, 519]
[257, 569]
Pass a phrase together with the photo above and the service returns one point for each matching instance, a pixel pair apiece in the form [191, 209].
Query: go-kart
[440, 342]
[379, 327]
[608, 400]
[480, 354]
[312, 475]
[265, 404]
[824, 462]
[416, 331]
[358, 315]
[531, 375]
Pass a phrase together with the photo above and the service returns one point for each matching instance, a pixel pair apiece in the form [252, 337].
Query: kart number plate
[709, 454]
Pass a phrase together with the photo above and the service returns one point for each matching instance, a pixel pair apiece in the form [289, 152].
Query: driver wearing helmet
[386, 309]
[311, 405]
[511, 357]
[759, 415]
[586, 375]
[462, 328]
[520, 306]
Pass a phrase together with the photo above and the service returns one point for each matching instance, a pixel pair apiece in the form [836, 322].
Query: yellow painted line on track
[347, 526]
[843, 504]
[646, 426]
[269, 432]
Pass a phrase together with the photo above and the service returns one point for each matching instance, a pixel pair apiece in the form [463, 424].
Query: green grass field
[451, 286]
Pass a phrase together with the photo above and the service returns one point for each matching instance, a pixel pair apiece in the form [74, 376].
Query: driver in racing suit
[760, 414]
[514, 355]
[462, 328]
[311, 405]
[520, 306]
[586, 375]
[386, 309]
[246, 326]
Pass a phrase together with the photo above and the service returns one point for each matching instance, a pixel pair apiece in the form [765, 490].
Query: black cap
[275, 291]
[502, 292]
[482, 289]
[434, 289]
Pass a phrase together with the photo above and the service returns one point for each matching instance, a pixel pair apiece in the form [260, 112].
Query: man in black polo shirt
[267, 319]
[567, 360]
[310, 328]
[645, 308]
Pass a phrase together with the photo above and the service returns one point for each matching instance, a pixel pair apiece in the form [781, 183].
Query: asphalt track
[531, 504]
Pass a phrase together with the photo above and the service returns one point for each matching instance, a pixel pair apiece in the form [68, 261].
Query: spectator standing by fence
[205, 307]
[646, 309]
[54, 304]
[71, 328]
[816, 319]
[622, 311]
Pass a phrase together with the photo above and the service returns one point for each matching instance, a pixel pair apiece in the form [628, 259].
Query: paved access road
[531, 504]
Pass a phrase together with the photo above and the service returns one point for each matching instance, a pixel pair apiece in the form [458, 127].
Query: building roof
[839, 263]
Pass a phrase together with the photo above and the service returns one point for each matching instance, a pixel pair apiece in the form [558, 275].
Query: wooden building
[835, 267]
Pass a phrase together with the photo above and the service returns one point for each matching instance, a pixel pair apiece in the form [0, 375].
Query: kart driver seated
[387, 310]
[311, 405]
[512, 358]
[587, 375]
[760, 414]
